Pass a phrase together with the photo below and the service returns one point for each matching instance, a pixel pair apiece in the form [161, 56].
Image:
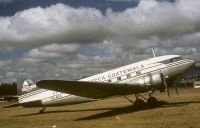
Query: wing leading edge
[88, 89]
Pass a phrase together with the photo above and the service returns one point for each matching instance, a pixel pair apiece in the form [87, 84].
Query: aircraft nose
[191, 63]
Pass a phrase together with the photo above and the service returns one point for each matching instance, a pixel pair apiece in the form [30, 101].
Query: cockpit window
[176, 59]
[171, 60]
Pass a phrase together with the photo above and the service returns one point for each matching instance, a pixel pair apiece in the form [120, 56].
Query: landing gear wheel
[152, 101]
[42, 111]
[139, 103]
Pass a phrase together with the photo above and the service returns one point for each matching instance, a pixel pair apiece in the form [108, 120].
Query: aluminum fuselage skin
[133, 73]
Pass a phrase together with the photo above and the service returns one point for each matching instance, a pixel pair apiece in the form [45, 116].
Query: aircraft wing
[89, 89]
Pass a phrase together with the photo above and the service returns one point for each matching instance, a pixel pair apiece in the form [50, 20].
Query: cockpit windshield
[171, 60]
[176, 59]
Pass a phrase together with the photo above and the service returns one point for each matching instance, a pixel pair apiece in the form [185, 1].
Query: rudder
[25, 86]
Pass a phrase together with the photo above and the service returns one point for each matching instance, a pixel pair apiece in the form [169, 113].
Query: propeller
[175, 86]
[166, 86]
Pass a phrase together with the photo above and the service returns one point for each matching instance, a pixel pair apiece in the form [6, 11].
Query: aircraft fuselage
[146, 74]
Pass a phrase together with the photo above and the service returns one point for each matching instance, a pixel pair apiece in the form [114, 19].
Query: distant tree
[8, 89]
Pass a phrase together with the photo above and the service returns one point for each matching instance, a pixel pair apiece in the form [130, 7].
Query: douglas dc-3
[144, 76]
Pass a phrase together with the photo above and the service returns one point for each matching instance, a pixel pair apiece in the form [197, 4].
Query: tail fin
[26, 91]
[25, 86]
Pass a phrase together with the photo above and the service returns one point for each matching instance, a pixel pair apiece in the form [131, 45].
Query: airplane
[145, 76]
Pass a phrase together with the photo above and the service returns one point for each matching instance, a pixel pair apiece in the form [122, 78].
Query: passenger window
[109, 80]
[138, 73]
[119, 78]
[172, 60]
[128, 75]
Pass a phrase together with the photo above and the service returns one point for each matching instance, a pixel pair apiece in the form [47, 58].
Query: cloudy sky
[69, 39]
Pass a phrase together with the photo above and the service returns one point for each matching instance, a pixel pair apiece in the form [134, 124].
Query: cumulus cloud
[65, 48]
[57, 23]
[63, 24]
[52, 51]
[66, 42]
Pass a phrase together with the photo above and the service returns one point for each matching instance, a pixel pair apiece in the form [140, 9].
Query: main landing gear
[139, 102]
[42, 110]
[151, 101]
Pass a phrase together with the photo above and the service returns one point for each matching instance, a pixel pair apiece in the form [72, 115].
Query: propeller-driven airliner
[145, 76]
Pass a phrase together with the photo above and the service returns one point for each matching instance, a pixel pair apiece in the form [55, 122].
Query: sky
[71, 39]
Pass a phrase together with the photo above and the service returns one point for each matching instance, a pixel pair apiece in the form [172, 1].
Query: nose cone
[190, 64]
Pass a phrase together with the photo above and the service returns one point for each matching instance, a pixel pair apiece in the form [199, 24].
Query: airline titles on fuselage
[125, 71]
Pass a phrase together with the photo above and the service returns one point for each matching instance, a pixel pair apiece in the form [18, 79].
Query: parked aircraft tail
[26, 86]
[25, 90]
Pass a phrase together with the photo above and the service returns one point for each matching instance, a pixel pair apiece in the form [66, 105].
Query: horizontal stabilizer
[35, 103]
[12, 105]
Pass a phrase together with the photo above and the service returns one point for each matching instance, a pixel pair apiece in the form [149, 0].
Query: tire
[152, 101]
[139, 103]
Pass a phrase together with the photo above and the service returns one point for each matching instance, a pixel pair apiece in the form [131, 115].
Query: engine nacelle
[151, 82]
[154, 81]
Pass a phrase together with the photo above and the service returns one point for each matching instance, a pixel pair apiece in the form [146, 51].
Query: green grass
[183, 111]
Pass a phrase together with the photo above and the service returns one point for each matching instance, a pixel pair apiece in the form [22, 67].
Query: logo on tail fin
[28, 85]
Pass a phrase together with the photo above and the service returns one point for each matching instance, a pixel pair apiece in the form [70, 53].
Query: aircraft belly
[65, 100]
[75, 99]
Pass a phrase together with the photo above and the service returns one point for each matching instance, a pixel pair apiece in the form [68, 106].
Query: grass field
[182, 111]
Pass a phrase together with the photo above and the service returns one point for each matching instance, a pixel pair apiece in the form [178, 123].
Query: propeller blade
[166, 86]
[175, 86]
[168, 93]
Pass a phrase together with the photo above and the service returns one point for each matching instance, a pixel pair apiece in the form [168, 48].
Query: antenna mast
[153, 53]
